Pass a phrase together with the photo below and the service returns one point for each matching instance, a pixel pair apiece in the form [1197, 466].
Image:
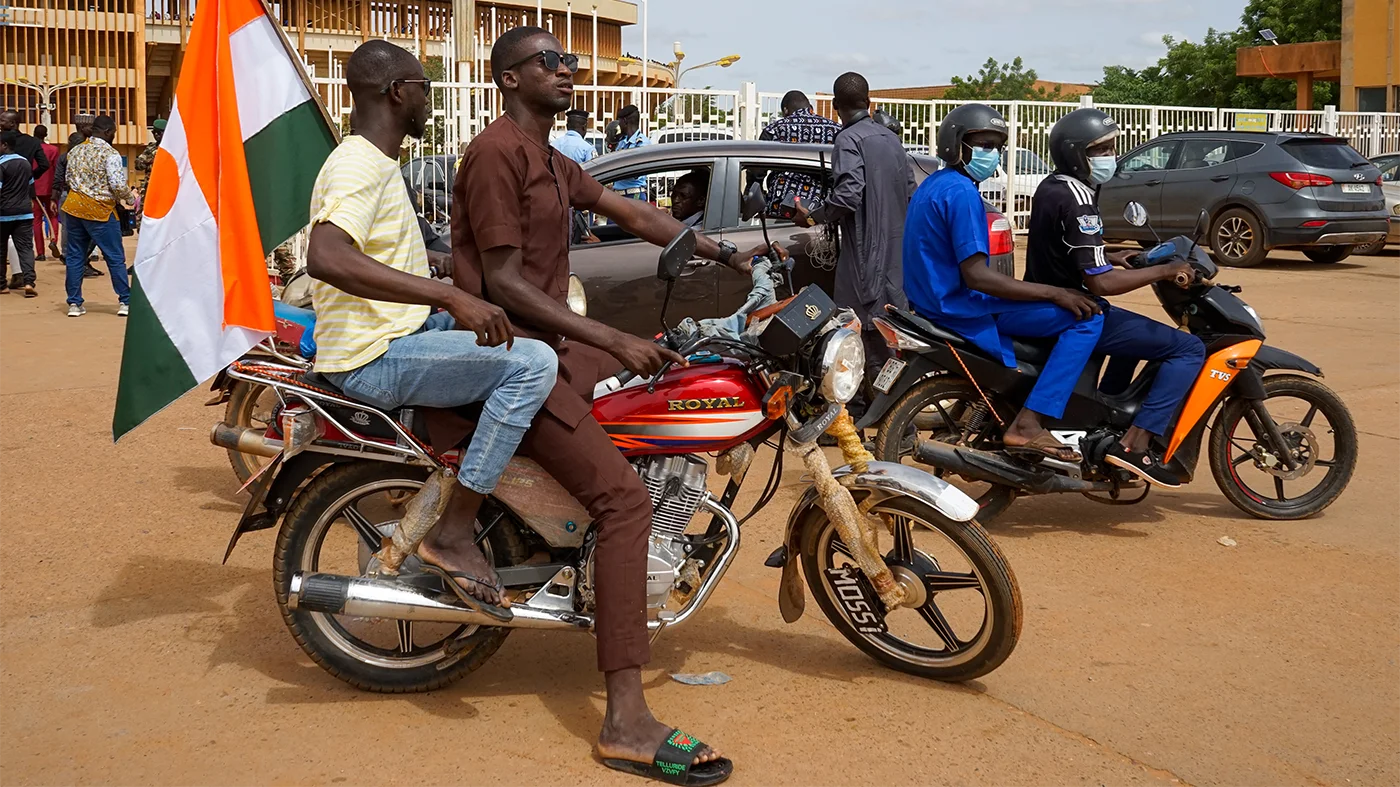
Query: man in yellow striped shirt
[377, 335]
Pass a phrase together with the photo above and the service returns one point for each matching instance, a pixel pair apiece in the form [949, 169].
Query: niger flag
[232, 180]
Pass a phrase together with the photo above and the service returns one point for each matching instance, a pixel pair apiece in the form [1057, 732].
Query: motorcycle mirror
[1201, 219]
[1135, 214]
[754, 201]
[676, 254]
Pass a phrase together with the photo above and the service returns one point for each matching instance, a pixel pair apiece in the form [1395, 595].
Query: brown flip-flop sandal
[1044, 445]
[450, 578]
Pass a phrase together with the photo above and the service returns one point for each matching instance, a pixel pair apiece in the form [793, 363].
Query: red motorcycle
[948, 606]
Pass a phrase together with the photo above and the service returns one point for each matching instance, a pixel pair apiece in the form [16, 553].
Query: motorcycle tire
[910, 410]
[1343, 462]
[242, 404]
[1001, 625]
[323, 637]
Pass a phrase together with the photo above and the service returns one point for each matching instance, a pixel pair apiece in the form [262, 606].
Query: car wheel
[1366, 249]
[1328, 253]
[1237, 239]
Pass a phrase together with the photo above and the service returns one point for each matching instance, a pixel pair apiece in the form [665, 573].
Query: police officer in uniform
[1066, 249]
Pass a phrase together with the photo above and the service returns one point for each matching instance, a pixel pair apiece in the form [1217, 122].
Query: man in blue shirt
[572, 143]
[629, 120]
[948, 280]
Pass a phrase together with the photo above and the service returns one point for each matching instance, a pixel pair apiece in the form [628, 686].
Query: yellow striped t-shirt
[361, 191]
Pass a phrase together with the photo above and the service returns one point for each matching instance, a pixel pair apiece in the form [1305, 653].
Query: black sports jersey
[1066, 233]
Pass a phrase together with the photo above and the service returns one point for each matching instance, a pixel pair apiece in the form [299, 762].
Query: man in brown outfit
[510, 240]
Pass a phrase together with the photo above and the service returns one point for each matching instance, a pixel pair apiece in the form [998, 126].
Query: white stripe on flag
[265, 79]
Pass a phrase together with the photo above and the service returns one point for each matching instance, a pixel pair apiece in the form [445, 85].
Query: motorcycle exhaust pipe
[367, 597]
[997, 469]
[244, 440]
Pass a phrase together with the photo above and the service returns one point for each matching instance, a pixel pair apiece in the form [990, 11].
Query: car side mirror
[1135, 214]
[676, 254]
[754, 201]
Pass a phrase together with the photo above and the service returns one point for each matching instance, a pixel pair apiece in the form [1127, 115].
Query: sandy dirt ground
[1151, 654]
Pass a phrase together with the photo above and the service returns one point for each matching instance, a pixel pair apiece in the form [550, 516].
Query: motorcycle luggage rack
[288, 379]
[269, 347]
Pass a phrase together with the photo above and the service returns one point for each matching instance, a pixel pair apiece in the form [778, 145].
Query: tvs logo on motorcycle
[1221, 375]
[722, 403]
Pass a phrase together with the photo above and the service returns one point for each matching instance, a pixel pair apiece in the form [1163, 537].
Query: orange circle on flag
[163, 186]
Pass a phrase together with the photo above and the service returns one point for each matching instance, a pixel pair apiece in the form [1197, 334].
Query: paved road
[1151, 654]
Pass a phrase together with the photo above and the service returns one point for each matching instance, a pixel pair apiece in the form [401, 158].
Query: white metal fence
[462, 109]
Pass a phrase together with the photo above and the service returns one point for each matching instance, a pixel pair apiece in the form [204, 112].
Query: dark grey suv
[1261, 191]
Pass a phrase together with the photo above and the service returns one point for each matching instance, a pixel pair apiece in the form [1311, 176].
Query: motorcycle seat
[1035, 351]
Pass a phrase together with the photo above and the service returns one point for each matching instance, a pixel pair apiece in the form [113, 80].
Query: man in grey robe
[868, 200]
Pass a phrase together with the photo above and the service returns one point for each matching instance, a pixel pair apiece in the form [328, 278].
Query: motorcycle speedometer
[842, 366]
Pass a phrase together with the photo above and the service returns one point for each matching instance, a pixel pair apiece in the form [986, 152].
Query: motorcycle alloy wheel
[968, 619]
[1246, 465]
[949, 410]
[249, 405]
[329, 528]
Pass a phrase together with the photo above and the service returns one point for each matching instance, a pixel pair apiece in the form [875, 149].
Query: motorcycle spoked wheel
[1245, 463]
[919, 411]
[380, 655]
[249, 405]
[970, 619]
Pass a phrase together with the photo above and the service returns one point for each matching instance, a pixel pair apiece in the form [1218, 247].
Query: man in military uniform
[147, 159]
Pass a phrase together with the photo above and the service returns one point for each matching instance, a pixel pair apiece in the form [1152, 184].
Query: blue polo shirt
[637, 140]
[946, 224]
[572, 144]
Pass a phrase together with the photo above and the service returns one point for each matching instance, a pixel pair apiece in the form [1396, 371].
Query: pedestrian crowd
[70, 203]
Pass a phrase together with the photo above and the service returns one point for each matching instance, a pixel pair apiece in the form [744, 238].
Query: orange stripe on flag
[208, 103]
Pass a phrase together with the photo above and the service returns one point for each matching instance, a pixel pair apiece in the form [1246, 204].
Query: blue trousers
[1129, 338]
[108, 236]
[440, 367]
[1037, 319]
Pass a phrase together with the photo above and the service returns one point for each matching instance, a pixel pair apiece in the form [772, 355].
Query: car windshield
[1324, 153]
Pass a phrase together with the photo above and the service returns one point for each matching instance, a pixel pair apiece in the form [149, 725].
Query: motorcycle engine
[677, 486]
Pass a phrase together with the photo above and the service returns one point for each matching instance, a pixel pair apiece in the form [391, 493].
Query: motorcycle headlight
[578, 299]
[1258, 324]
[842, 366]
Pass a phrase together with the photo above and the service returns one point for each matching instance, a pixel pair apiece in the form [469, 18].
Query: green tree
[1203, 73]
[1001, 82]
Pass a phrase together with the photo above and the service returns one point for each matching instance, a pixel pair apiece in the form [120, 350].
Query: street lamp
[46, 93]
[675, 65]
[723, 62]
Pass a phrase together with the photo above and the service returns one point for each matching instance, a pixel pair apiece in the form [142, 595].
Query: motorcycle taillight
[300, 427]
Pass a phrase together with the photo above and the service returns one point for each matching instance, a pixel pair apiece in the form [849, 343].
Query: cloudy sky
[805, 44]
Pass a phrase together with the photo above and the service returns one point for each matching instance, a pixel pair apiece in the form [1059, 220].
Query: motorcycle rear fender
[1270, 359]
[882, 480]
[221, 386]
[274, 491]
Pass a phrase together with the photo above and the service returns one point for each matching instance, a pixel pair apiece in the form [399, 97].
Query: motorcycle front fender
[1268, 359]
[880, 481]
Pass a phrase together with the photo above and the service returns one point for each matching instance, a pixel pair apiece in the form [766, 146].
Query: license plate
[889, 374]
[858, 598]
[1356, 188]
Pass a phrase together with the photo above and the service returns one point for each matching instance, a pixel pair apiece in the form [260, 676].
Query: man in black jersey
[1066, 250]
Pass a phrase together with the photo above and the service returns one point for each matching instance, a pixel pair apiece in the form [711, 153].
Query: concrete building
[126, 53]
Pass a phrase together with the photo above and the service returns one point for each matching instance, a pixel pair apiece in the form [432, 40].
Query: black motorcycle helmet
[1074, 134]
[964, 120]
[887, 120]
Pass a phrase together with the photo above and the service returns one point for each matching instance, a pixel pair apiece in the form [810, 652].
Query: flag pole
[301, 71]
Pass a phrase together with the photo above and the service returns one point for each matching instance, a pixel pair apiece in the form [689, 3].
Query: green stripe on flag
[284, 159]
[153, 373]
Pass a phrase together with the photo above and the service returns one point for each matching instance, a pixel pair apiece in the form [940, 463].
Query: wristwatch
[727, 250]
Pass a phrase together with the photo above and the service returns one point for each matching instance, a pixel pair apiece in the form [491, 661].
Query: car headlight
[842, 366]
[578, 299]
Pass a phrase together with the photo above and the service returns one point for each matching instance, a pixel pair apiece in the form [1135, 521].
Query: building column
[1305, 90]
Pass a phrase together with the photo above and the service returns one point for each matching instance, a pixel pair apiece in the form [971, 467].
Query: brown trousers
[584, 460]
[568, 442]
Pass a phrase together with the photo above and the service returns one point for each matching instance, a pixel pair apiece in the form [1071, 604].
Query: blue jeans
[78, 233]
[1075, 344]
[440, 367]
[1129, 338]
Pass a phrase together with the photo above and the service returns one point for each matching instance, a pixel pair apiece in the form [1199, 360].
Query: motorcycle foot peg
[779, 558]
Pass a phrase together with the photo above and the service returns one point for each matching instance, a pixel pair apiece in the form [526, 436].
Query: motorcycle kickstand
[664, 619]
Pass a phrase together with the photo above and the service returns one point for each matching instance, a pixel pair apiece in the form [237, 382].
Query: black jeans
[21, 231]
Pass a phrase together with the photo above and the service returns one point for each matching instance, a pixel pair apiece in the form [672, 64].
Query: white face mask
[1102, 169]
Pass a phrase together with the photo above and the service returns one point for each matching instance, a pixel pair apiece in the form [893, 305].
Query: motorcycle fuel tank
[699, 408]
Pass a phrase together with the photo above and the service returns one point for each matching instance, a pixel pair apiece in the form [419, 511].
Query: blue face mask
[984, 164]
[1102, 168]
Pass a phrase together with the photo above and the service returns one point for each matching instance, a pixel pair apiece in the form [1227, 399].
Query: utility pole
[464, 38]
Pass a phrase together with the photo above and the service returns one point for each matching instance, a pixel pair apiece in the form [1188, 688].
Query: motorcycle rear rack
[288, 380]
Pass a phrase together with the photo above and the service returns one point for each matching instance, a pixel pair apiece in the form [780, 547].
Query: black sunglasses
[552, 60]
[997, 146]
[426, 83]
